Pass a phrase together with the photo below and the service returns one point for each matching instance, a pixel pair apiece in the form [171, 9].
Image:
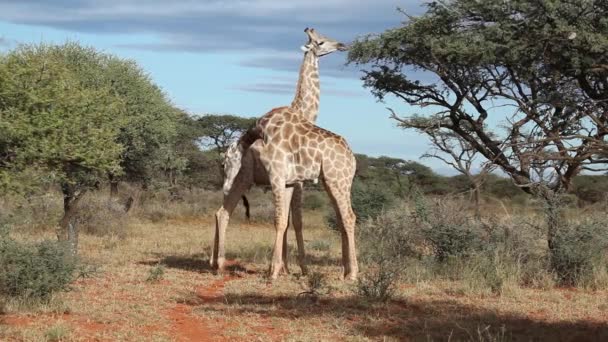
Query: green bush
[579, 250]
[320, 245]
[313, 201]
[438, 239]
[378, 284]
[368, 201]
[156, 273]
[449, 230]
[34, 271]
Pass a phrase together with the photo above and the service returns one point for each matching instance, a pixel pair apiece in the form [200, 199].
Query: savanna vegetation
[107, 195]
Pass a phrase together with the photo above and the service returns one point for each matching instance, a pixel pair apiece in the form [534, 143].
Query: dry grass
[191, 303]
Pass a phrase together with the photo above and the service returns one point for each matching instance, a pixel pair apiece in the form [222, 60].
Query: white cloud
[241, 19]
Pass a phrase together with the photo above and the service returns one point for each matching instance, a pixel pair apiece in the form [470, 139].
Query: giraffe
[293, 150]
[238, 160]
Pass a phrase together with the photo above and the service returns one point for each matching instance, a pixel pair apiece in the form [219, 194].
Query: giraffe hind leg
[296, 214]
[341, 199]
[281, 203]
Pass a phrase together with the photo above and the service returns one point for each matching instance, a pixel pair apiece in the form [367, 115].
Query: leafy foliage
[368, 201]
[218, 131]
[450, 231]
[149, 128]
[478, 53]
[314, 200]
[543, 62]
[36, 271]
[59, 115]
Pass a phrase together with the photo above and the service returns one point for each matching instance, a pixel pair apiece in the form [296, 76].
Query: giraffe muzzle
[343, 47]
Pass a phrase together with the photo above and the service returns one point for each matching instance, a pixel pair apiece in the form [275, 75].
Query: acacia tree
[524, 83]
[219, 131]
[62, 119]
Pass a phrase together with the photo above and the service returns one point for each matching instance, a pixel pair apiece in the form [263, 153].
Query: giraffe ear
[305, 48]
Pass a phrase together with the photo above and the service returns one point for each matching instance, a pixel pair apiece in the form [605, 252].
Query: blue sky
[233, 56]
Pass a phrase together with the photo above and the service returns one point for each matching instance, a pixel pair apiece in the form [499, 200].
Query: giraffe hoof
[350, 277]
[217, 265]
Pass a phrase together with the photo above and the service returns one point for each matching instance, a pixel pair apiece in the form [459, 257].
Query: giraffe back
[303, 150]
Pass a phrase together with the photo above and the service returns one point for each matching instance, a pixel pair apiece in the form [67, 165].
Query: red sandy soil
[412, 318]
[184, 324]
[188, 327]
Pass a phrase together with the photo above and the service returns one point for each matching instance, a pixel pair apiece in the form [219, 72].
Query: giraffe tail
[246, 204]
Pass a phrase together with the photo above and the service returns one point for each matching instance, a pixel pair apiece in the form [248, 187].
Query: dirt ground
[188, 302]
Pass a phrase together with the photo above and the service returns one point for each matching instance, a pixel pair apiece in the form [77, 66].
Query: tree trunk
[67, 230]
[553, 215]
[553, 211]
[113, 186]
[477, 199]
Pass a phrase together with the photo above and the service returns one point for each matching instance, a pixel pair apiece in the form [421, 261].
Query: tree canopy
[218, 131]
[149, 118]
[524, 83]
[540, 66]
[72, 116]
[58, 115]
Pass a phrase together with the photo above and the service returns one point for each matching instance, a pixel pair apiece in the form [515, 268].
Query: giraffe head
[321, 45]
[232, 164]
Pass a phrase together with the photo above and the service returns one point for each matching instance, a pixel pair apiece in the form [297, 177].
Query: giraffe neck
[306, 100]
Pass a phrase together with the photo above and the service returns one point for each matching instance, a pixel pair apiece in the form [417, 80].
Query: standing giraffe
[294, 150]
[239, 161]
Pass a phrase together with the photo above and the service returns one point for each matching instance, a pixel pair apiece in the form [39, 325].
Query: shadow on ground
[200, 262]
[412, 319]
[418, 320]
[194, 263]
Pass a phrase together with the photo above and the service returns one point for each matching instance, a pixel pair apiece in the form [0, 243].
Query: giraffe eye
[321, 43]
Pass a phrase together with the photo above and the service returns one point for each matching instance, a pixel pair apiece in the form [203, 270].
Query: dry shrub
[100, 216]
[386, 244]
[162, 205]
[439, 240]
[261, 207]
[579, 256]
[32, 212]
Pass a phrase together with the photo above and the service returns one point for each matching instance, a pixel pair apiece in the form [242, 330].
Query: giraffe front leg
[242, 182]
[221, 222]
[280, 224]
